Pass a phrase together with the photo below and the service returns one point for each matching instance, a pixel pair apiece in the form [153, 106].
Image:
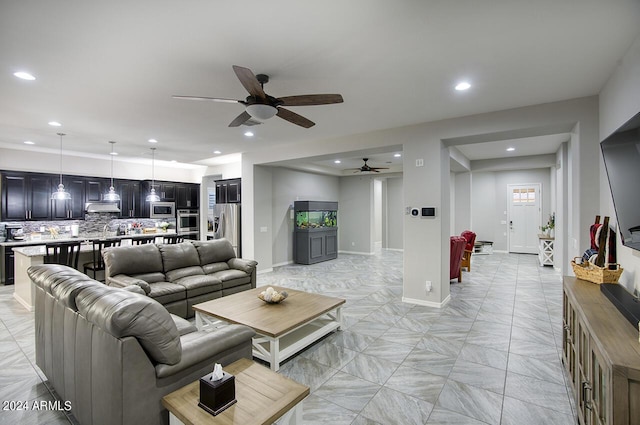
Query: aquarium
[316, 219]
[316, 215]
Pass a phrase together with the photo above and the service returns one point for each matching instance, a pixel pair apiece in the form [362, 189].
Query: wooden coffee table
[263, 397]
[283, 329]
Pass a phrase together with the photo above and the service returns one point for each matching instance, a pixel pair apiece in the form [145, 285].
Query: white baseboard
[427, 303]
[23, 302]
[284, 263]
[269, 270]
[394, 249]
[356, 253]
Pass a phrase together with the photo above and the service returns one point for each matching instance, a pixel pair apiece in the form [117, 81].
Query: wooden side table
[263, 397]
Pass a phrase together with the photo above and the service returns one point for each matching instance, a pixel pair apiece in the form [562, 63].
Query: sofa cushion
[152, 277]
[62, 282]
[200, 284]
[231, 278]
[178, 256]
[166, 292]
[132, 259]
[122, 313]
[177, 274]
[214, 267]
[214, 251]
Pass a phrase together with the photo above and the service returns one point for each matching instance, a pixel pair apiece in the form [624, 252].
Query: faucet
[104, 230]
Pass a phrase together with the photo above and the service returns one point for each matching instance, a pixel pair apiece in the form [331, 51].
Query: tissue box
[216, 396]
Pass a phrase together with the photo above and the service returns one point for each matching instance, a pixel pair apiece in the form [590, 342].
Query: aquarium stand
[316, 231]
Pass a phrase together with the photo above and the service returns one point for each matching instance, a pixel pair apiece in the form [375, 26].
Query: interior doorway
[524, 216]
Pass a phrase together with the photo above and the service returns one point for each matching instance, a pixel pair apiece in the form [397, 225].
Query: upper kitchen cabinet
[228, 191]
[96, 188]
[130, 198]
[72, 209]
[26, 196]
[188, 196]
[165, 190]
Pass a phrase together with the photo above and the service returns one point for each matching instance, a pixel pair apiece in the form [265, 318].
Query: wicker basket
[596, 274]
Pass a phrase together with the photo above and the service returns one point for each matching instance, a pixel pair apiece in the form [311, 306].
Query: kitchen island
[31, 255]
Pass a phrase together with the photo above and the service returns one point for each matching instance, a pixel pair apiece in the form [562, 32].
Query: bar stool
[172, 239]
[143, 240]
[65, 253]
[98, 263]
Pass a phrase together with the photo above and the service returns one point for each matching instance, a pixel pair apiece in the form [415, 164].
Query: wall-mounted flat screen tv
[621, 152]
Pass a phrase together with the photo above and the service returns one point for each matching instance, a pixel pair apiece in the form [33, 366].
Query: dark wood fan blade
[213, 99]
[249, 81]
[240, 119]
[311, 99]
[378, 168]
[294, 118]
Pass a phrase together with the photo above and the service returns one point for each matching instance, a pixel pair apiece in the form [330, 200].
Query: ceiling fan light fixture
[261, 112]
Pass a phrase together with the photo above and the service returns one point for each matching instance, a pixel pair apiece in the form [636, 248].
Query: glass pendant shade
[111, 195]
[61, 194]
[152, 197]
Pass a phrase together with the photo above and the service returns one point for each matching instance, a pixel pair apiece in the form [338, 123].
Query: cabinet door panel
[14, 201]
[96, 189]
[316, 244]
[40, 197]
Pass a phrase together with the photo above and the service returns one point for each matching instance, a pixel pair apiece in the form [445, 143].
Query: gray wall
[619, 101]
[489, 202]
[289, 186]
[356, 216]
[395, 213]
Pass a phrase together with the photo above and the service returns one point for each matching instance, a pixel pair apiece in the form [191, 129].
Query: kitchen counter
[32, 252]
[45, 239]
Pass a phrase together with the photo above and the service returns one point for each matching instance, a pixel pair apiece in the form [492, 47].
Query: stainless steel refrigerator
[226, 224]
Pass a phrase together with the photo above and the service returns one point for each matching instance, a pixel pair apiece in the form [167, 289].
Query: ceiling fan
[260, 106]
[366, 168]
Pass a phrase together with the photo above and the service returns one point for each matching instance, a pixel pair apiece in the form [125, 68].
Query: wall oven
[188, 224]
[161, 210]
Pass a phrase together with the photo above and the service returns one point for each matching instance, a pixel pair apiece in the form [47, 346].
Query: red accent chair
[457, 249]
[470, 237]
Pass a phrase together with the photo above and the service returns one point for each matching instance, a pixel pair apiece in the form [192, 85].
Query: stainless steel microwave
[163, 210]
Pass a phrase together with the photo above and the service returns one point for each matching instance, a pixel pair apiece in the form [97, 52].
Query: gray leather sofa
[114, 353]
[180, 275]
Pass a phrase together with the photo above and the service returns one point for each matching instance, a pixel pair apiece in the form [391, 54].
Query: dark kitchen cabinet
[26, 196]
[74, 207]
[228, 191]
[188, 195]
[96, 188]
[130, 198]
[165, 190]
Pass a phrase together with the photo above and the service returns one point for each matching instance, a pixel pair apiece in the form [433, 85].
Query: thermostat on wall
[428, 211]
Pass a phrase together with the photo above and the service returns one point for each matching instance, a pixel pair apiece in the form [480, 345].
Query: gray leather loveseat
[180, 275]
[113, 353]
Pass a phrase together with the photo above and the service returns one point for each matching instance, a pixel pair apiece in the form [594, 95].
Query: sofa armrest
[122, 281]
[134, 288]
[247, 266]
[206, 347]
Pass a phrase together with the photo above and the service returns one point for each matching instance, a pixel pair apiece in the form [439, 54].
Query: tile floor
[492, 355]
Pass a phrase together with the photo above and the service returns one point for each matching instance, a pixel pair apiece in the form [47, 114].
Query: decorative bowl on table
[271, 296]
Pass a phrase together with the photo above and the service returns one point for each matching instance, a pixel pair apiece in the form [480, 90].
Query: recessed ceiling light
[24, 75]
[511, 149]
[463, 86]
[248, 134]
[153, 141]
[217, 152]
[29, 142]
[173, 160]
[337, 161]
[398, 155]
[55, 124]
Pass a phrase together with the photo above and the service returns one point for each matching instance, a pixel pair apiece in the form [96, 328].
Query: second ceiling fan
[259, 106]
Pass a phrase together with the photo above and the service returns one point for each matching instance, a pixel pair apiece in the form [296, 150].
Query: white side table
[545, 250]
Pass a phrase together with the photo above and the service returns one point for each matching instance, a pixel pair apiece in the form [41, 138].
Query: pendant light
[111, 195]
[60, 194]
[152, 197]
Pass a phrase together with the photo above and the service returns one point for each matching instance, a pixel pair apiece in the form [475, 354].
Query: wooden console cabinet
[601, 352]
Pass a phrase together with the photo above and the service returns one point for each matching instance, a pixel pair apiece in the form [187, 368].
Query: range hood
[102, 207]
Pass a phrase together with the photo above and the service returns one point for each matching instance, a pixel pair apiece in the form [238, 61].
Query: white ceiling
[107, 70]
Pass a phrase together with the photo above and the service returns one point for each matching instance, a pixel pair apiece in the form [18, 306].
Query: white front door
[525, 214]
